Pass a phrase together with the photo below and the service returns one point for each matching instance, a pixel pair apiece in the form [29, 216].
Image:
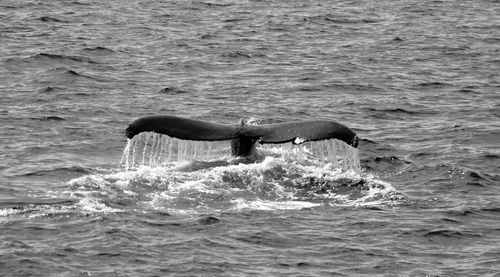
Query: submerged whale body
[243, 137]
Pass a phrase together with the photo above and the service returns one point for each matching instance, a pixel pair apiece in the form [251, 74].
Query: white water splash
[243, 204]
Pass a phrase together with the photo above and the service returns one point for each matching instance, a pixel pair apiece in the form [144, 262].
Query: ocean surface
[418, 81]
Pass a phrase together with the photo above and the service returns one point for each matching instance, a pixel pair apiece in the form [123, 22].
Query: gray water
[417, 81]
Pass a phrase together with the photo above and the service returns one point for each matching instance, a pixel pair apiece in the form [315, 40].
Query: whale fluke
[243, 137]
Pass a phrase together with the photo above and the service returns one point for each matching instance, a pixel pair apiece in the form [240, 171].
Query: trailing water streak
[154, 149]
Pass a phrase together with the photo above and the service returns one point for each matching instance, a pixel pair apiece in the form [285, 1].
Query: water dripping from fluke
[153, 149]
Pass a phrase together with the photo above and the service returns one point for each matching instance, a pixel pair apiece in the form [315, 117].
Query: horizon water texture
[418, 81]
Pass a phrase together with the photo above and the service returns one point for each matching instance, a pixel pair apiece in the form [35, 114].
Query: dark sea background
[418, 81]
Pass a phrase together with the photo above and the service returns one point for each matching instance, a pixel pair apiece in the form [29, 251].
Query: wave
[470, 177]
[59, 171]
[98, 49]
[172, 91]
[386, 164]
[236, 55]
[36, 207]
[400, 111]
[52, 19]
[432, 84]
[71, 74]
[211, 4]
[365, 141]
[61, 58]
[48, 59]
[51, 118]
[340, 20]
[50, 89]
[487, 210]
[45, 66]
[450, 233]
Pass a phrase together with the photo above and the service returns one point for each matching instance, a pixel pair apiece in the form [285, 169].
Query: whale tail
[243, 137]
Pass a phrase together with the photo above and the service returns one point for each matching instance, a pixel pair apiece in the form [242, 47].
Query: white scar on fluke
[243, 137]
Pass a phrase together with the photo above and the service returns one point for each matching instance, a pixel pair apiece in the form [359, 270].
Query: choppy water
[417, 80]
